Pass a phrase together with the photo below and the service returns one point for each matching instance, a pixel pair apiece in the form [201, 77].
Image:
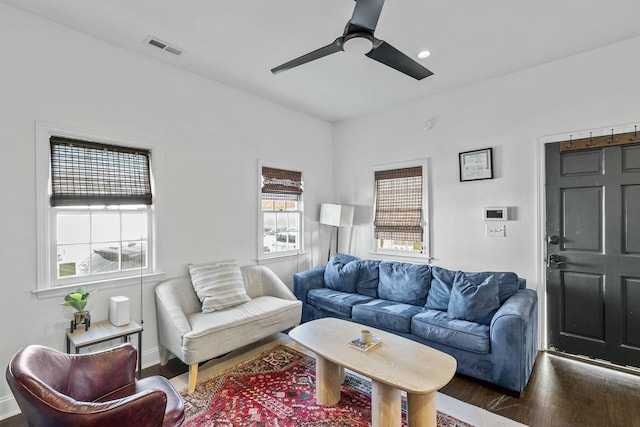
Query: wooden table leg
[386, 410]
[328, 380]
[421, 410]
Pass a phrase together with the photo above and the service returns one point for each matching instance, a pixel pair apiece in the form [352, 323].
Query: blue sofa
[487, 321]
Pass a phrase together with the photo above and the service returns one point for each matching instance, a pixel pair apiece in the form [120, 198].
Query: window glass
[101, 241]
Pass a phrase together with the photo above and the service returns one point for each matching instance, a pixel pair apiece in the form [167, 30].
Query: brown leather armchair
[92, 389]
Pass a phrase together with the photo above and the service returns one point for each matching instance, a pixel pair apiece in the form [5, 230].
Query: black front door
[593, 252]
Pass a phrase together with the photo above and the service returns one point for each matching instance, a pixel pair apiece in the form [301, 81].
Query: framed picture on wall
[476, 164]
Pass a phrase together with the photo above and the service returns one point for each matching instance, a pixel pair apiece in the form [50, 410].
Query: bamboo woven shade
[281, 184]
[398, 214]
[89, 173]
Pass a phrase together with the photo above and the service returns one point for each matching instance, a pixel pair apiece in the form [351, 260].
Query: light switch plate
[496, 230]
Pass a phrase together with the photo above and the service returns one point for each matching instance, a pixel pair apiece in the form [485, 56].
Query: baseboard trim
[8, 407]
[150, 357]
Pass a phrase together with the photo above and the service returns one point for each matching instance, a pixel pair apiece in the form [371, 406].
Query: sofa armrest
[261, 281]
[514, 340]
[305, 281]
[173, 323]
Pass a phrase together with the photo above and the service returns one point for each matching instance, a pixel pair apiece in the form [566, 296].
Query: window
[94, 210]
[400, 207]
[280, 216]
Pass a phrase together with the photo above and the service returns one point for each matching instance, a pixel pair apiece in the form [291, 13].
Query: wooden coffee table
[393, 365]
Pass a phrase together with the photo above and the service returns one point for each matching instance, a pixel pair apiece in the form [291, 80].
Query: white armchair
[194, 337]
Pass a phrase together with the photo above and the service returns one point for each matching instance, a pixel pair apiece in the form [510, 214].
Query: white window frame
[48, 283]
[294, 252]
[425, 255]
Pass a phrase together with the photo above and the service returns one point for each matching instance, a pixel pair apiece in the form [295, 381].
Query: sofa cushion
[475, 302]
[341, 273]
[404, 282]
[368, 278]
[222, 331]
[336, 302]
[507, 282]
[386, 314]
[437, 326]
[219, 285]
[440, 290]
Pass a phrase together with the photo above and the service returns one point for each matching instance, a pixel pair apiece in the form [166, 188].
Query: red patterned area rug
[277, 389]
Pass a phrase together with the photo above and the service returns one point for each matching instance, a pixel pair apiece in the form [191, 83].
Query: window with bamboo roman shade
[398, 207]
[89, 173]
[94, 208]
[281, 211]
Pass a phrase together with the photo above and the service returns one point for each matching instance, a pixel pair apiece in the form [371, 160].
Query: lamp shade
[336, 215]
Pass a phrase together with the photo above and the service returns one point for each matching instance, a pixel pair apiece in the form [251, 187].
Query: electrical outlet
[496, 230]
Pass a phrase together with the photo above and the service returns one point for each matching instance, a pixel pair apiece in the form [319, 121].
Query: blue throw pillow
[404, 282]
[368, 278]
[507, 282]
[341, 273]
[473, 302]
[440, 291]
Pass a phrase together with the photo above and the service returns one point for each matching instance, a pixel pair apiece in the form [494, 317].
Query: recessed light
[424, 54]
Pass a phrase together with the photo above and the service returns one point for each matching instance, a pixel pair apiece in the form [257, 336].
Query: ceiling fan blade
[365, 16]
[334, 47]
[388, 55]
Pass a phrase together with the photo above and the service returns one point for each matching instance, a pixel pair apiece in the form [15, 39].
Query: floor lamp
[336, 216]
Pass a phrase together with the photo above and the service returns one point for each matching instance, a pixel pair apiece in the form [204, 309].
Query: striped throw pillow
[219, 285]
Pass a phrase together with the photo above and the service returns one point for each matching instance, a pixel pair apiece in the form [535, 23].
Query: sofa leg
[193, 377]
[164, 357]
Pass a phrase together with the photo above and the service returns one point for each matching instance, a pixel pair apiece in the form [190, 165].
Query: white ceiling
[238, 42]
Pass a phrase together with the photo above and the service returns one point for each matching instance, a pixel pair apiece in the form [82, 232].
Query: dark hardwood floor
[561, 392]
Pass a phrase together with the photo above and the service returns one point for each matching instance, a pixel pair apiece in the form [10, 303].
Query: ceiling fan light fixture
[358, 38]
[424, 54]
[358, 45]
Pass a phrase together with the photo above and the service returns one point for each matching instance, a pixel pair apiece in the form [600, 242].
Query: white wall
[597, 89]
[203, 132]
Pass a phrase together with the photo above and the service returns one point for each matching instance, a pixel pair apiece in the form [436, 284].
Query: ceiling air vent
[162, 45]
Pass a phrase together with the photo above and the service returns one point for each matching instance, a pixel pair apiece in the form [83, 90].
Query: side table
[100, 332]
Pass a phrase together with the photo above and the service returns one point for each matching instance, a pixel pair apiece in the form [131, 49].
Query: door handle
[553, 240]
[555, 261]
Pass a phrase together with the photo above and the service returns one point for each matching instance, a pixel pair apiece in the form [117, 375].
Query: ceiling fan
[358, 36]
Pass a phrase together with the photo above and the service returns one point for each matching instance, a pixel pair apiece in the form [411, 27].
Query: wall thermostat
[495, 214]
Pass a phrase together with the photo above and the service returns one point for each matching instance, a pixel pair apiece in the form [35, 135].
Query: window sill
[425, 259]
[277, 258]
[59, 291]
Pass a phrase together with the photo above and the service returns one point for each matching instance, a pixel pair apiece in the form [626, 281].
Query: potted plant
[78, 300]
